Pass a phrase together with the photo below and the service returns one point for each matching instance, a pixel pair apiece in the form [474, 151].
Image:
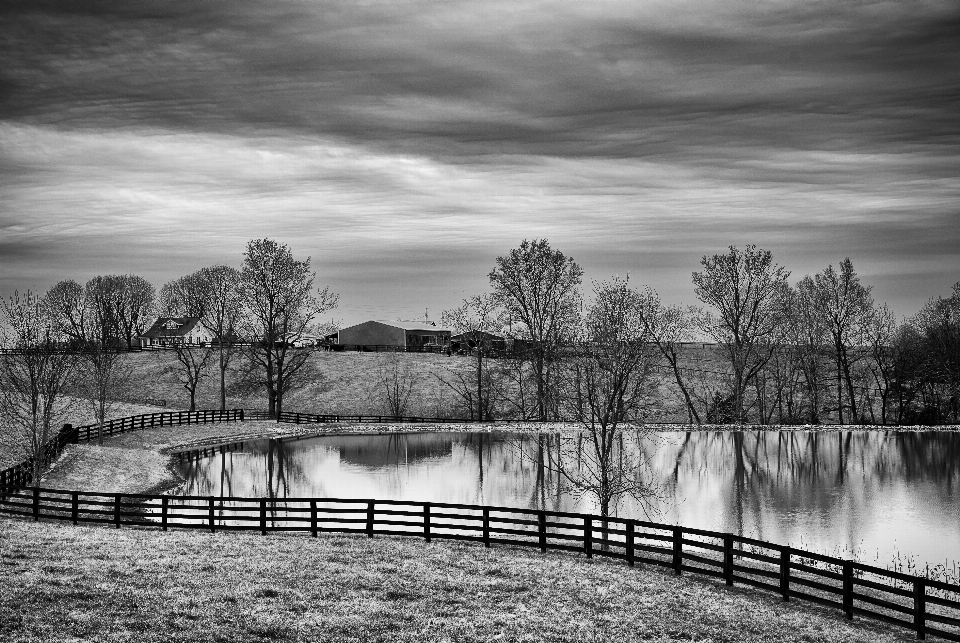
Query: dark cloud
[634, 135]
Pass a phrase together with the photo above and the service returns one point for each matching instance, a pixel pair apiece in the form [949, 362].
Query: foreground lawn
[64, 583]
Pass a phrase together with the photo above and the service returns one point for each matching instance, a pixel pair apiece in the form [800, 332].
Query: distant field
[341, 383]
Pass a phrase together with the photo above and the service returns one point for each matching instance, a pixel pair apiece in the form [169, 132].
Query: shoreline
[114, 467]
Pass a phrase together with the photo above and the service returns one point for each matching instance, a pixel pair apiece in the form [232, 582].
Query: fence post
[588, 537]
[919, 608]
[164, 504]
[74, 506]
[116, 510]
[313, 518]
[370, 518]
[426, 521]
[210, 515]
[263, 516]
[241, 415]
[728, 559]
[848, 589]
[785, 573]
[677, 550]
[542, 530]
[486, 527]
[36, 504]
[628, 542]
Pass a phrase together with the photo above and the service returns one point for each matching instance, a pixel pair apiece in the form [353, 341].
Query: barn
[413, 335]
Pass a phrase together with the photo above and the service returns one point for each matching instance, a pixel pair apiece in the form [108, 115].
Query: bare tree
[88, 316]
[67, 303]
[194, 363]
[747, 290]
[669, 328]
[844, 307]
[280, 307]
[938, 323]
[103, 372]
[610, 388]
[119, 307]
[476, 318]
[396, 383]
[537, 287]
[213, 295]
[133, 306]
[33, 376]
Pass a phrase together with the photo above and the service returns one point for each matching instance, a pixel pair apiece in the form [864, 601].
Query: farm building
[176, 330]
[400, 334]
[469, 340]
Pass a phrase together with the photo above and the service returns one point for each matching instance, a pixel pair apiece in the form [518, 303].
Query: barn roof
[406, 325]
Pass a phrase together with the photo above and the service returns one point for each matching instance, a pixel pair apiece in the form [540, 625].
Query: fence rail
[925, 606]
[922, 605]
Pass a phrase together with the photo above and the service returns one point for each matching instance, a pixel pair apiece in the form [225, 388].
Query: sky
[405, 145]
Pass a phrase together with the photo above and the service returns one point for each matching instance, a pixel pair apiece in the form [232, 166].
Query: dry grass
[333, 383]
[64, 583]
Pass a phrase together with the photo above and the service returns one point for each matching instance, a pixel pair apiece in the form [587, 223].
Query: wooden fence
[22, 474]
[922, 605]
[309, 418]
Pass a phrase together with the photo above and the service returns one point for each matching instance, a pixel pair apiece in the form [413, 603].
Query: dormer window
[171, 325]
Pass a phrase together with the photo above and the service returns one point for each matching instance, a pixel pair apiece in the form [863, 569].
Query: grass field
[341, 383]
[63, 583]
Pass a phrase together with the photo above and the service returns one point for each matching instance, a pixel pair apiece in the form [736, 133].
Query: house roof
[164, 326]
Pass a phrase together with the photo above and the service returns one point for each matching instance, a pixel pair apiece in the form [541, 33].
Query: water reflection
[873, 494]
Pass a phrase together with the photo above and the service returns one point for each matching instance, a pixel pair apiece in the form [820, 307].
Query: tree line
[66, 346]
[815, 351]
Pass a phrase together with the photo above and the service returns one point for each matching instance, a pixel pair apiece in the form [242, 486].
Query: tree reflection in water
[835, 492]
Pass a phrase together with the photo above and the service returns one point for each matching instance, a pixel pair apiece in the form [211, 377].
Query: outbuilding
[408, 335]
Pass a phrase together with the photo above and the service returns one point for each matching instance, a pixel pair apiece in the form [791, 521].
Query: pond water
[889, 498]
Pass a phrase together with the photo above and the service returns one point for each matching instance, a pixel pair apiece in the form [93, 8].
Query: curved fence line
[895, 598]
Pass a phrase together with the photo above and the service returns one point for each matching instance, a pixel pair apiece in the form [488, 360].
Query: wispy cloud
[407, 144]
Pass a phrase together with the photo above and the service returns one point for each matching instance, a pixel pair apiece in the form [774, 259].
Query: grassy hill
[341, 383]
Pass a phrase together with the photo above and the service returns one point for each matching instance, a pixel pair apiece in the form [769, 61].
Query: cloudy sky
[405, 145]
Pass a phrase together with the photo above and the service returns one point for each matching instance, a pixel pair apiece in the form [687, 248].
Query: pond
[890, 498]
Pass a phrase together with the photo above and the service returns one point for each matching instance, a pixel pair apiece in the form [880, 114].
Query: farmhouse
[405, 334]
[176, 330]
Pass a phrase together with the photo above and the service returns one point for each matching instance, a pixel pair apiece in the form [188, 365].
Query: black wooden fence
[922, 605]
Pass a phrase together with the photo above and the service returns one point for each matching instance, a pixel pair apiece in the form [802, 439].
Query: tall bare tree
[747, 290]
[67, 303]
[538, 288]
[89, 317]
[938, 323]
[280, 306]
[845, 307]
[33, 375]
[213, 295]
[670, 328]
[609, 395]
[476, 318]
